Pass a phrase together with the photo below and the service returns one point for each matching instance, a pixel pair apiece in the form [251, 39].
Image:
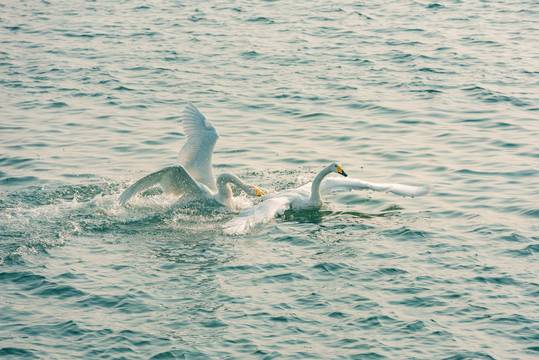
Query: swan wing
[330, 185]
[174, 180]
[196, 153]
[258, 214]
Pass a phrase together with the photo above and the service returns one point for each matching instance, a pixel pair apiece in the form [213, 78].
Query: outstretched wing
[258, 214]
[196, 153]
[174, 180]
[330, 185]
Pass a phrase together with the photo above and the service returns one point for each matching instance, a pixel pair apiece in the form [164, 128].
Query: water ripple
[407, 92]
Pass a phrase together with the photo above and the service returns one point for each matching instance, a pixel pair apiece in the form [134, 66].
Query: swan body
[308, 197]
[177, 181]
[193, 177]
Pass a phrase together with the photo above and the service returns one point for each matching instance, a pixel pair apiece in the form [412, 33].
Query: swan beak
[341, 171]
[258, 192]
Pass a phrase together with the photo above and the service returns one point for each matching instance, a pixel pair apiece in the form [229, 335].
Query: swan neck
[223, 185]
[315, 187]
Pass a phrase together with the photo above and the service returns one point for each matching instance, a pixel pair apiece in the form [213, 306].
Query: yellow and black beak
[341, 171]
[258, 192]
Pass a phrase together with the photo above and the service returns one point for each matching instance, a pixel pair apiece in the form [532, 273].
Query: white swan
[193, 178]
[308, 197]
[176, 181]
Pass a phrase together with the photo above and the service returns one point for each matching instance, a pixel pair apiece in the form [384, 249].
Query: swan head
[338, 169]
[254, 191]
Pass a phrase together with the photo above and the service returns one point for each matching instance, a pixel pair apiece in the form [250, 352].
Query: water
[418, 92]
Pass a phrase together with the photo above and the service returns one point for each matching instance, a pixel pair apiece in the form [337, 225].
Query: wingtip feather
[124, 198]
[236, 226]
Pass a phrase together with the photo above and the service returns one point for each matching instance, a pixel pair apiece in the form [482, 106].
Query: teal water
[417, 92]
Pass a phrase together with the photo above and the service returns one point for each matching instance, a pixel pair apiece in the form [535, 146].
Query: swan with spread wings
[309, 197]
[192, 178]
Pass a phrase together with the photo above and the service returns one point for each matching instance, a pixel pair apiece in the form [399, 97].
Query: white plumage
[308, 197]
[193, 177]
[196, 154]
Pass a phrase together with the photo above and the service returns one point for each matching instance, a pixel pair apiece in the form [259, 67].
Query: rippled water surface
[417, 92]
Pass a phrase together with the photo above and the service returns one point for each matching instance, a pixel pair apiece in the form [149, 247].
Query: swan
[193, 178]
[177, 181]
[309, 197]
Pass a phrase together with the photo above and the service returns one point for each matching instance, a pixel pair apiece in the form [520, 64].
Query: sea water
[443, 93]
